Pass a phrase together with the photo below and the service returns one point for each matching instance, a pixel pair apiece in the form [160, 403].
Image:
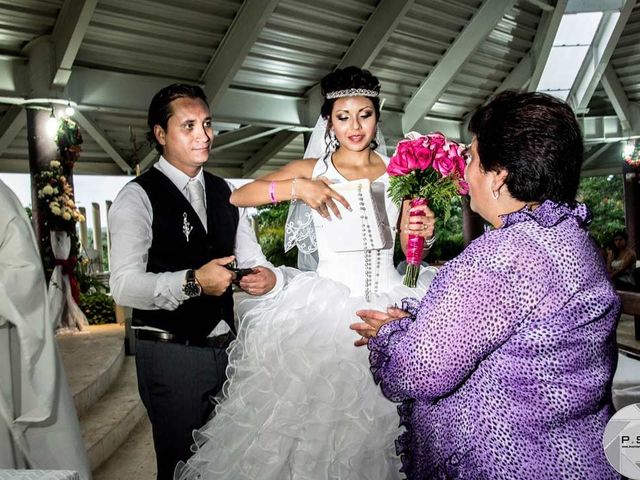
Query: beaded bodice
[364, 271]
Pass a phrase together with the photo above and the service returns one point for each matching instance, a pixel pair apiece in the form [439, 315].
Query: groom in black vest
[173, 235]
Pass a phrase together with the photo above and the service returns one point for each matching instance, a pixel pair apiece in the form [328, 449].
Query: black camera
[240, 272]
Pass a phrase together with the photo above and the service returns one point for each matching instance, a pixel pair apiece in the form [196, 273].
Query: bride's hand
[418, 220]
[372, 321]
[319, 196]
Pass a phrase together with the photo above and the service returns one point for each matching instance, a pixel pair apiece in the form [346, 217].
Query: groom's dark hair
[160, 111]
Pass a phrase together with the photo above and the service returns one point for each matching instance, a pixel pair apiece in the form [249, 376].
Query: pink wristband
[272, 192]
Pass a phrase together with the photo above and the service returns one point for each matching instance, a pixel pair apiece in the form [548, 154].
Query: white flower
[54, 164]
[66, 216]
[48, 190]
[55, 210]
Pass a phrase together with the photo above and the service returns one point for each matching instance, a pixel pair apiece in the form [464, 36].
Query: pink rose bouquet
[429, 170]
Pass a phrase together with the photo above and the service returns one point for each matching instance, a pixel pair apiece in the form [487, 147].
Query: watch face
[191, 289]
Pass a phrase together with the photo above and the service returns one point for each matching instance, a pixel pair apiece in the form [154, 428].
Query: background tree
[604, 196]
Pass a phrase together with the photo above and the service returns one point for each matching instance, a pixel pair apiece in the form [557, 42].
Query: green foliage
[450, 240]
[271, 220]
[88, 283]
[98, 307]
[604, 196]
[428, 184]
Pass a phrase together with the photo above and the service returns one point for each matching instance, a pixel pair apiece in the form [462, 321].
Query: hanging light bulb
[69, 111]
[627, 150]
[52, 124]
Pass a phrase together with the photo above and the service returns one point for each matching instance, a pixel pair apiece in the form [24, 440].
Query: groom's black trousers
[176, 383]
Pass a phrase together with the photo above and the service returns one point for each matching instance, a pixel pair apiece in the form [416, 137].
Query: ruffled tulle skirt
[300, 401]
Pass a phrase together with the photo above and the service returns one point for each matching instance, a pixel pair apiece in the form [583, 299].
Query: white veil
[299, 230]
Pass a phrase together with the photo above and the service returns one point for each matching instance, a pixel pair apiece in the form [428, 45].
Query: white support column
[107, 208]
[83, 229]
[97, 236]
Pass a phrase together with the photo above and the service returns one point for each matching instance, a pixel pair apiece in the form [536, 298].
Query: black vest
[172, 251]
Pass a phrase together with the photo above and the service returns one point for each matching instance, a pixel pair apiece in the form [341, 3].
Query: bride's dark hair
[344, 79]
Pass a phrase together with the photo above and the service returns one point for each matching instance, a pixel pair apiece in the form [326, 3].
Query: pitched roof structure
[260, 62]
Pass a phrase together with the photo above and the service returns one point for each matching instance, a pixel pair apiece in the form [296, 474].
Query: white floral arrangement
[55, 192]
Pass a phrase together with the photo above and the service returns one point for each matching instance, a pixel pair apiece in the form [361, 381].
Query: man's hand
[259, 282]
[372, 321]
[213, 277]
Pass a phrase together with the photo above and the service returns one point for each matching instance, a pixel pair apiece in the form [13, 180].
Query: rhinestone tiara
[352, 92]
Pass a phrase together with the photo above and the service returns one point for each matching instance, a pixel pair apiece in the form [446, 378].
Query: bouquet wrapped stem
[415, 250]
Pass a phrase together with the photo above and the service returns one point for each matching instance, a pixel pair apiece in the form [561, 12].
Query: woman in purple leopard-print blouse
[504, 368]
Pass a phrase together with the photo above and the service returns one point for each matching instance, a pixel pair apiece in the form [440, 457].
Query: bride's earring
[333, 141]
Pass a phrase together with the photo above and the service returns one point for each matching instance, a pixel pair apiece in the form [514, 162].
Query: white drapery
[38, 423]
[65, 312]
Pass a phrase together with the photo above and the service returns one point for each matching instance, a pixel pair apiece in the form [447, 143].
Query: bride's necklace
[371, 274]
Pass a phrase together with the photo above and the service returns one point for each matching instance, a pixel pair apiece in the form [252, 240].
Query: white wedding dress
[300, 401]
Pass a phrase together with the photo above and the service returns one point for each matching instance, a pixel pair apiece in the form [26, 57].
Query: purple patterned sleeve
[469, 311]
[389, 334]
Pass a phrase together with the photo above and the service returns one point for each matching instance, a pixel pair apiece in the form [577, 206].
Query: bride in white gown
[300, 402]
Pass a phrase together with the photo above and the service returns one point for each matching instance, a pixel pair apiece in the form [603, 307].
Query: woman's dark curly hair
[534, 137]
[344, 79]
[160, 109]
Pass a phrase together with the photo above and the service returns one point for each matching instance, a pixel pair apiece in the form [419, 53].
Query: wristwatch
[191, 288]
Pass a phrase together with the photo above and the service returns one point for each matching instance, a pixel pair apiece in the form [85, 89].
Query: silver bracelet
[293, 189]
[429, 243]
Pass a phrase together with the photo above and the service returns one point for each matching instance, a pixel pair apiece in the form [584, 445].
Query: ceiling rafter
[618, 98]
[240, 136]
[14, 120]
[365, 47]
[101, 139]
[464, 46]
[148, 159]
[235, 46]
[607, 128]
[599, 54]
[590, 160]
[374, 34]
[543, 41]
[68, 32]
[279, 141]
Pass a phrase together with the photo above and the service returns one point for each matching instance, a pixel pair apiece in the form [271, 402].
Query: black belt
[219, 341]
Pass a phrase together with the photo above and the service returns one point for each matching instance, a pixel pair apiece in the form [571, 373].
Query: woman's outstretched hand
[320, 196]
[372, 321]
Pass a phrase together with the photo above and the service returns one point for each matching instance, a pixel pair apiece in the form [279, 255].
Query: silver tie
[196, 197]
